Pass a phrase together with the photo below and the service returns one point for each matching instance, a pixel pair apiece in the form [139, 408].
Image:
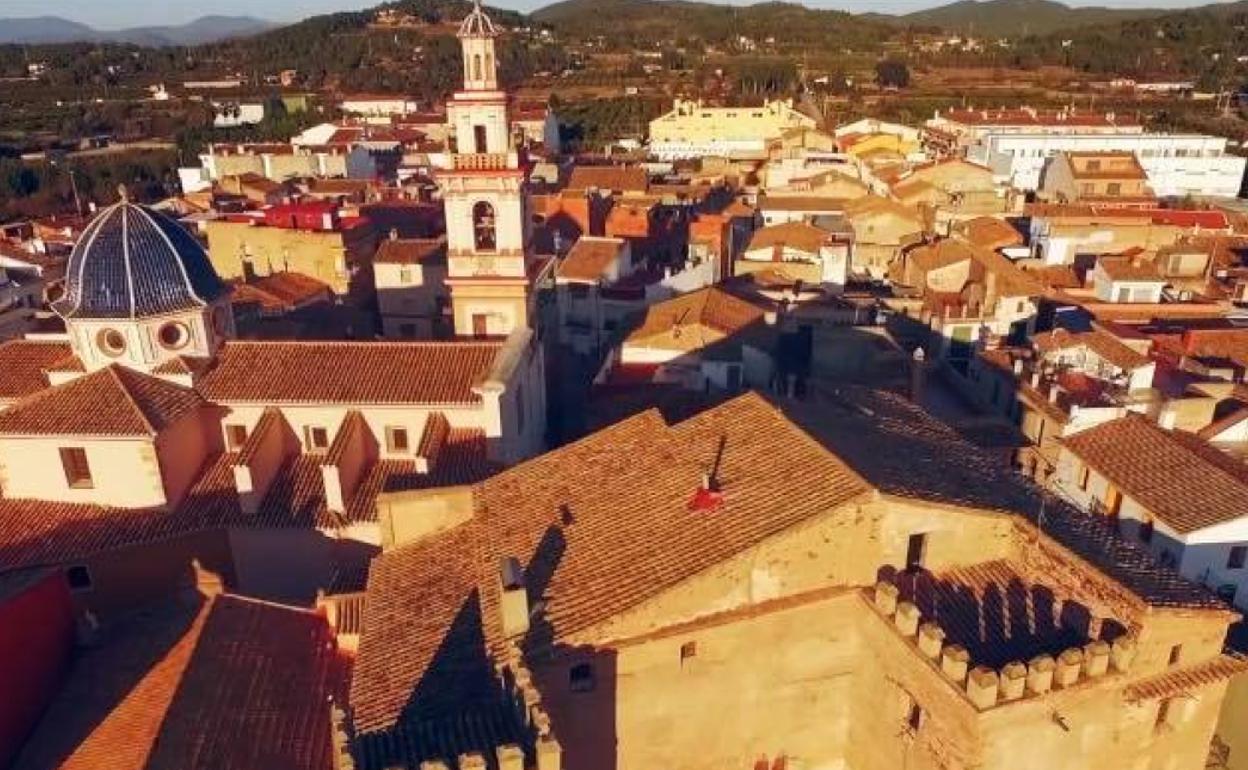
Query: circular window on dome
[111, 341]
[174, 335]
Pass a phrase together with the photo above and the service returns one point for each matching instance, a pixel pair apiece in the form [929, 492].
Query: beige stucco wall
[124, 472]
[323, 255]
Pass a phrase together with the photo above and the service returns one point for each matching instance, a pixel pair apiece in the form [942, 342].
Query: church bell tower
[489, 270]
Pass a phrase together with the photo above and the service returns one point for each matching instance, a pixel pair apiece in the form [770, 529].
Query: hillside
[641, 21]
[1013, 18]
[53, 29]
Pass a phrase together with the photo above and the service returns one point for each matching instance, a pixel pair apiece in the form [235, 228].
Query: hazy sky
[113, 14]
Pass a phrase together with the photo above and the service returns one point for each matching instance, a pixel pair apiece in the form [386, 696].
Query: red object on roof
[706, 499]
[306, 215]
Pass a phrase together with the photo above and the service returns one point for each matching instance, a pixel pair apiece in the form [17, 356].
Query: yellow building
[306, 238]
[692, 129]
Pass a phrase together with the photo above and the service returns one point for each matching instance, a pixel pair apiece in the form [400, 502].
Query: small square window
[1238, 557]
[581, 678]
[688, 651]
[396, 440]
[78, 577]
[316, 437]
[77, 469]
[1176, 654]
[235, 436]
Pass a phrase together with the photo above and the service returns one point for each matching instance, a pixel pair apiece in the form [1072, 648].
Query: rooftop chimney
[514, 602]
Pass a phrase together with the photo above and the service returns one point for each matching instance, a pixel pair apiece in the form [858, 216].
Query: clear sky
[114, 14]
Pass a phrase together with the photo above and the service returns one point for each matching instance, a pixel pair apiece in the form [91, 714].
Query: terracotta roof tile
[411, 251]
[587, 540]
[114, 401]
[1129, 269]
[1187, 679]
[695, 320]
[1099, 342]
[234, 684]
[589, 258]
[609, 178]
[1175, 475]
[796, 235]
[23, 364]
[349, 372]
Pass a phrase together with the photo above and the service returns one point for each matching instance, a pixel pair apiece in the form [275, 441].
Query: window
[396, 440]
[174, 335]
[315, 437]
[405, 275]
[77, 470]
[111, 341]
[235, 436]
[479, 143]
[914, 720]
[1163, 715]
[1085, 474]
[1176, 654]
[1146, 532]
[581, 678]
[476, 67]
[688, 651]
[483, 226]
[1113, 188]
[1237, 557]
[78, 577]
[916, 551]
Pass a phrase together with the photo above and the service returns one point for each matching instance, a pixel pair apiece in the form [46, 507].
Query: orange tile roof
[357, 373]
[235, 683]
[114, 401]
[411, 251]
[23, 364]
[609, 178]
[589, 258]
[1188, 679]
[991, 233]
[695, 320]
[1102, 344]
[796, 235]
[624, 491]
[1175, 475]
[1135, 268]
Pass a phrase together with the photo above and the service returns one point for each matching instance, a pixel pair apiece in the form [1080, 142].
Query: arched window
[476, 67]
[489, 64]
[483, 226]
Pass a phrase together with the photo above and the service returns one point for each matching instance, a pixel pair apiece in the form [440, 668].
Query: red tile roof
[1131, 268]
[23, 363]
[694, 320]
[114, 401]
[1102, 344]
[1188, 679]
[360, 373]
[411, 251]
[622, 491]
[1175, 475]
[235, 684]
[609, 178]
[589, 258]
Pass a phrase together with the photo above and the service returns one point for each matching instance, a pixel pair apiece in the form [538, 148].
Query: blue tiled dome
[133, 261]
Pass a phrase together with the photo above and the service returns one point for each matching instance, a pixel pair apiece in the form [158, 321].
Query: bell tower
[489, 271]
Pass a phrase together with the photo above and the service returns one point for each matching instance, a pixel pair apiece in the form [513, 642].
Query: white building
[1171, 491]
[234, 114]
[1177, 164]
[378, 105]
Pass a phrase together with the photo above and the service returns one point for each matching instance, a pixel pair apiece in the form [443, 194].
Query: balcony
[482, 161]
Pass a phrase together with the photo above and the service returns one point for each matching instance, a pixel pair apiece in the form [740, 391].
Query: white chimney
[514, 601]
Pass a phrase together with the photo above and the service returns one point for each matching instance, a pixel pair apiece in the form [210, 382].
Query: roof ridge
[114, 370]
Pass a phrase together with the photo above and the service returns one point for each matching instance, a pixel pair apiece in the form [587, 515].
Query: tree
[892, 73]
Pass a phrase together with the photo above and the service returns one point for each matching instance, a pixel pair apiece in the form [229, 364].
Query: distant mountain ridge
[1012, 18]
[54, 29]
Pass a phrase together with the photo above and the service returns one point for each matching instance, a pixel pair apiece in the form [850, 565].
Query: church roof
[133, 261]
[113, 401]
[477, 24]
